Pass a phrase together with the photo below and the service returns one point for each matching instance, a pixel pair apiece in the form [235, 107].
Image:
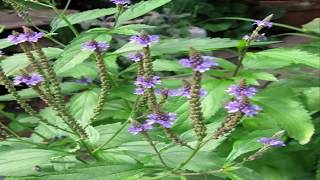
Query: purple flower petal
[99, 47]
[121, 2]
[271, 141]
[200, 64]
[136, 57]
[144, 40]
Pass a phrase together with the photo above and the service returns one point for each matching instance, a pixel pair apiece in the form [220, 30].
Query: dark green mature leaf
[278, 58]
[23, 161]
[73, 55]
[311, 98]
[167, 65]
[13, 64]
[76, 18]
[82, 105]
[252, 77]
[85, 69]
[248, 143]
[67, 87]
[279, 104]
[95, 172]
[140, 9]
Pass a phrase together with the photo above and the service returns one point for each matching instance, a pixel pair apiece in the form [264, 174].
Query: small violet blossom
[239, 92]
[138, 128]
[136, 57]
[95, 46]
[25, 37]
[199, 64]
[30, 80]
[263, 23]
[166, 120]
[84, 80]
[121, 2]
[249, 110]
[271, 142]
[185, 91]
[148, 83]
[144, 39]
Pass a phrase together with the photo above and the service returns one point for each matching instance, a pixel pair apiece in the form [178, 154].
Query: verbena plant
[207, 118]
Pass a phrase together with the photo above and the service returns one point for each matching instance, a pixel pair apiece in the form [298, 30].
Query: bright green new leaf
[278, 58]
[76, 18]
[140, 9]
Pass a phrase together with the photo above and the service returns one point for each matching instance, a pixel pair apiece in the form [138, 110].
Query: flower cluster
[84, 80]
[165, 120]
[144, 39]
[271, 142]
[184, 91]
[121, 2]
[136, 57]
[30, 80]
[17, 38]
[97, 46]
[143, 83]
[263, 23]
[200, 64]
[241, 104]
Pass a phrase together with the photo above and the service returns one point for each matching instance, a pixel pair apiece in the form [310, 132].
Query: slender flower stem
[113, 136]
[155, 149]
[241, 57]
[194, 152]
[105, 86]
[65, 19]
[120, 9]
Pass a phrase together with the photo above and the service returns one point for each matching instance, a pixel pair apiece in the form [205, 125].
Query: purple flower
[271, 142]
[31, 80]
[163, 119]
[249, 110]
[138, 128]
[139, 90]
[147, 83]
[84, 80]
[184, 91]
[239, 91]
[25, 37]
[136, 57]
[121, 2]
[263, 23]
[95, 46]
[144, 39]
[199, 64]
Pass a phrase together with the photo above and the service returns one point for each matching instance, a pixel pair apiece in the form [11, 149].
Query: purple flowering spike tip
[200, 64]
[144, 39]
[251, 110]
[139, 128]
[136, 57]
[163, 119]
[239, 92]
[98, 47]
[121, 2]
[263, 23]
[271, 142]
[34, 80]
[84, 80]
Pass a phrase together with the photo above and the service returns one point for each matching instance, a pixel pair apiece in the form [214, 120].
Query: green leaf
[85, 69]
[13, 64]
[216, 96]
[252, 77]
[140, 9]
[67, 87]
[95, 172]
[131, 29]
[311, 98]
[243, 173]
[279, 104]
[313, 26]
[23, 161]
[82, 105]
[48, 131]
[172, 46]
[76, 18]
[248, 143]
[73, 55]
[167, 65]
[280, 57]
[4, 43]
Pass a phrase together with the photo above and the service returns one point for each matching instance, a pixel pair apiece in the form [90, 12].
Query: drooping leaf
[252, 77]
[4, 43]
[67, 87]
[76, 18]
[22, 162]
[279, 104]
[73, 55]
[281, 57]
[140, 9]
[313, 26]
[82, 105]
[13, 64]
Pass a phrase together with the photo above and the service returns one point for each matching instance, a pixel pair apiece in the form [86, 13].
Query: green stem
[240, 60]
[112, 137]
[65, 19]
